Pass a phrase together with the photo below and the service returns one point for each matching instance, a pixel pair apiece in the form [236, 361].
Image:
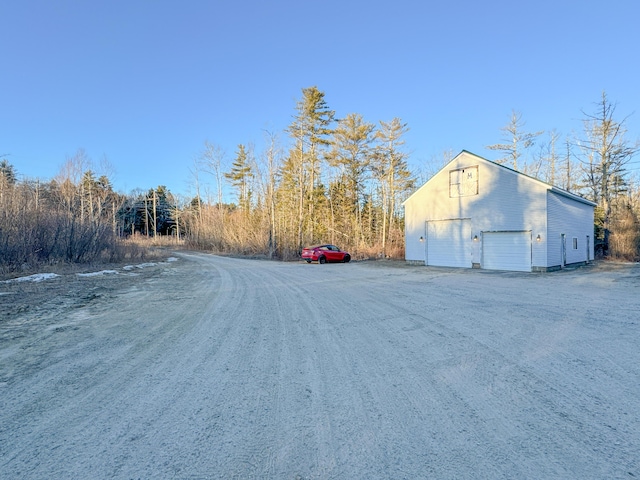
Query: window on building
[463, 182]
[575, 243]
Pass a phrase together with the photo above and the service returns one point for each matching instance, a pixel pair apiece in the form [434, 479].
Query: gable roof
[548, 186]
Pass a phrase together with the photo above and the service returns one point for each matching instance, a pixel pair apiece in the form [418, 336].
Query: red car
[325, 253]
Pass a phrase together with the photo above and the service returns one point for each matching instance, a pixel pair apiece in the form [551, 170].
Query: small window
[575, 243]
[463, 182]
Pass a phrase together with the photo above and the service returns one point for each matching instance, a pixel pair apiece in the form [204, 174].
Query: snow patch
[98, 274]
[38, 277]
[140, 265]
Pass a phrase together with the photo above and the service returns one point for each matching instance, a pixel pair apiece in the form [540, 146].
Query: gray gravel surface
[211, 367]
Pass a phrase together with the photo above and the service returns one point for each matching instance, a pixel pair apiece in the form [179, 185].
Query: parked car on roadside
[325, 253]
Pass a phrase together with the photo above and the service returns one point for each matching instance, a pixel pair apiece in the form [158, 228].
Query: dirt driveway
[213, 367]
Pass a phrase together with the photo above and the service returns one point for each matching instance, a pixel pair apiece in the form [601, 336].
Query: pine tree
[240, 176]
[7, 173]
[310, 131]
[351, 152]
[7, 178]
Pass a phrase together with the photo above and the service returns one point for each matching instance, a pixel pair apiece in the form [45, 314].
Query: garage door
[449, 243]
[506, 251]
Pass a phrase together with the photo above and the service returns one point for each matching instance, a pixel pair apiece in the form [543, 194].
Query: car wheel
[322, 260]
[307, 260]
[346, 259]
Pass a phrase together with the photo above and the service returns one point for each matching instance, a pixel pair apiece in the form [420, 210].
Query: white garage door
[449, 243]
[506, 251]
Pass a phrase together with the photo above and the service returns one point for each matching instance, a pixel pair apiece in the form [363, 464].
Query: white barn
[476, 213]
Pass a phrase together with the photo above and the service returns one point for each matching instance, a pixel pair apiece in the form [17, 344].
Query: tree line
[338, 181]
[594, 164]
[70, 218]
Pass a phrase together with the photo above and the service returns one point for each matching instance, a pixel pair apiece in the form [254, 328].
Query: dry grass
[624, 240]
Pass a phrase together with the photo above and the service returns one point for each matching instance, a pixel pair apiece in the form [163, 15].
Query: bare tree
[546, 165]
[428, 168]
[606, 153]
[569, 171]
[213, 159]
[391, 172]
[516, 142]
[267, 172]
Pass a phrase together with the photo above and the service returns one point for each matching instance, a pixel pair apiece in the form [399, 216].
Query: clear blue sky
[144, 83]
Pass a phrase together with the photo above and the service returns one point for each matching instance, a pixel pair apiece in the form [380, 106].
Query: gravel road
[212, 367]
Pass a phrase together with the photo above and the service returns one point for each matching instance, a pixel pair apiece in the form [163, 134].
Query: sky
[140, 85]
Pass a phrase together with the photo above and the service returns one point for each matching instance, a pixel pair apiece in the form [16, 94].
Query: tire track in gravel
[494, 387]
[230, 368]
[88, 385]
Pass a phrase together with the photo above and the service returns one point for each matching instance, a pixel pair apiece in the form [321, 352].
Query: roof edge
[550, 187]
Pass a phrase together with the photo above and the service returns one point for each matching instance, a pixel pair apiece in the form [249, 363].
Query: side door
[333, 253]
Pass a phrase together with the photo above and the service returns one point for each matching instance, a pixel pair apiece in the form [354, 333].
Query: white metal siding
[505, 201]
[449, 243]
[573, 219]
[506, 251]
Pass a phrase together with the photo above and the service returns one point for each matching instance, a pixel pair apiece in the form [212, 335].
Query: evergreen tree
[310, 131]
[350, 152]
[240, 176]
[7, 173]
[7, 178]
